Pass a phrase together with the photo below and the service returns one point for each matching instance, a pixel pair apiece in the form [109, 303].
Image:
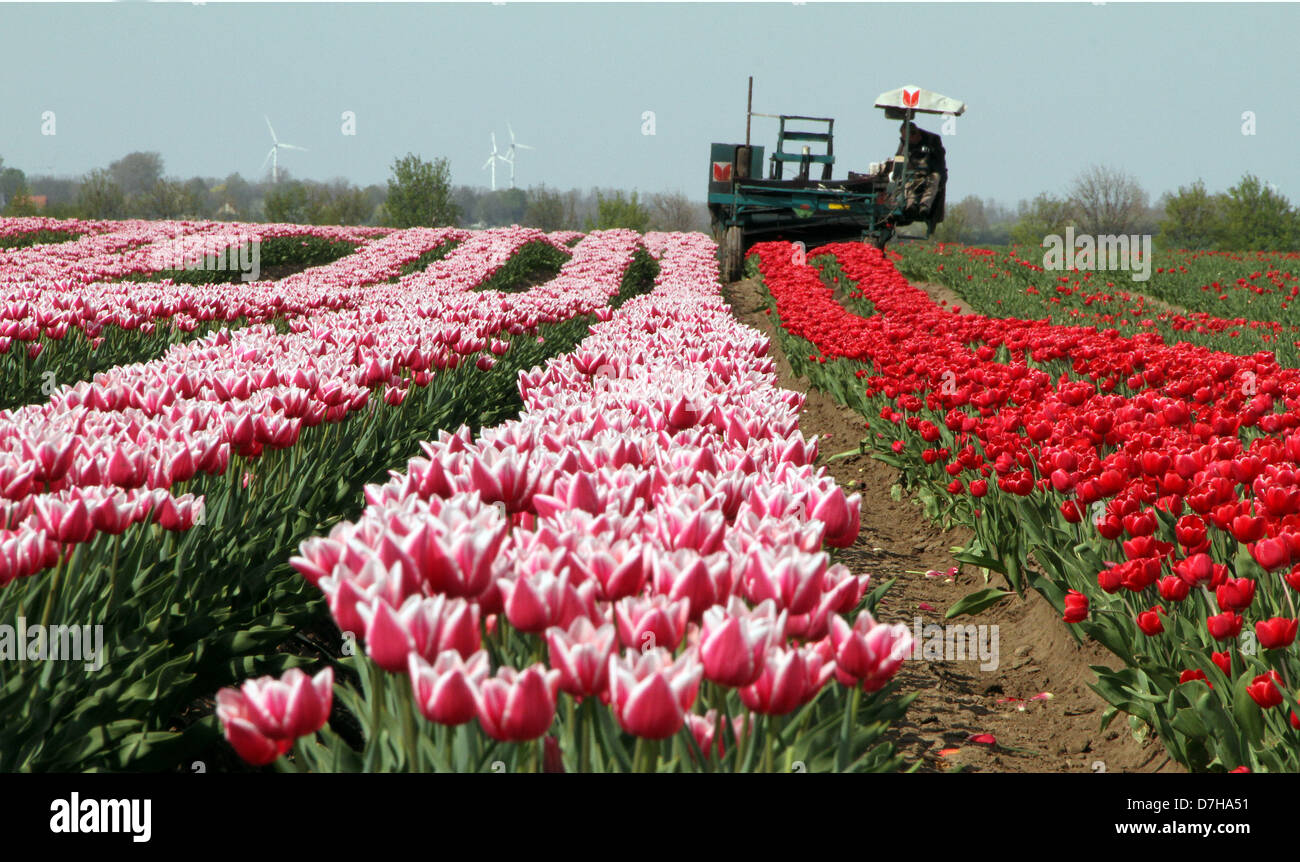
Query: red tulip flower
[1076, 607]
[1264, 691]
[1224, 626]
[1277, 632]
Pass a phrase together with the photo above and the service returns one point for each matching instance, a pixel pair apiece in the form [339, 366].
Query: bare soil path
[958, 700]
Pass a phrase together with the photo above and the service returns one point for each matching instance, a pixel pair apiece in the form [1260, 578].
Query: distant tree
[419, 193]
[1193, 218]
[959, 221]
[19, 201]
[1107, 201]
[345, 204]
[1255, 217]
[502, 207]
[674, 211]
[198, 199]
[136, 173]
[1044, 215]
[100, 197]
[12, 181]
[289, 203]
[165, 199]
[545, 209]
[619, 211]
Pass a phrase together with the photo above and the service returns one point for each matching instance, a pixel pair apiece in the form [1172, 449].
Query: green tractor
[868, 207]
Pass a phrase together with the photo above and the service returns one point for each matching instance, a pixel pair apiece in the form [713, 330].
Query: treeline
[1251, 215]
[418, 192]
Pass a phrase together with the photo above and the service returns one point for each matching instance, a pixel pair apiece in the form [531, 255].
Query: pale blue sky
[1156, 89]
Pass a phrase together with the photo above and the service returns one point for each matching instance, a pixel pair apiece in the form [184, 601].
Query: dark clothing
[928, 170]
[926, 155]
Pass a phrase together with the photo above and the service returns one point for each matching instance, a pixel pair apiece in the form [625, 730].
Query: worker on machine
[928, 168]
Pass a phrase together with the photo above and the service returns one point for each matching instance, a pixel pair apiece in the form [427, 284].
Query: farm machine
[794, 205]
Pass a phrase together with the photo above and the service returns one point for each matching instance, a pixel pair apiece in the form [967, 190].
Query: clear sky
[1158, 89]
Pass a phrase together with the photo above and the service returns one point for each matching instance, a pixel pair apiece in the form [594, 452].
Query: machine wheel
[731, 254]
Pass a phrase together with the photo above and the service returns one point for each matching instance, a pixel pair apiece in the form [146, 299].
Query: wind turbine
[492, 161]
[510, 157]
[274, 155]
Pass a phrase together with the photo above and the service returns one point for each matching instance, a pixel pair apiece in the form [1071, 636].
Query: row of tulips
[1154, 485]
[279, 432]
[62, 320]
[1206, 298]
[651, 527]
[152, 425]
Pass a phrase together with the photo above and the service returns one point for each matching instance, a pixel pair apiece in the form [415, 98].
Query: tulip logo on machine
[912, 99]
[722, 172]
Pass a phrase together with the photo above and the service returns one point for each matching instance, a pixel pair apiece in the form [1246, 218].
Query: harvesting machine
[814, 210]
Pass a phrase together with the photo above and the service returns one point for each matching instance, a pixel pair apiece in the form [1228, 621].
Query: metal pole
[749, 108]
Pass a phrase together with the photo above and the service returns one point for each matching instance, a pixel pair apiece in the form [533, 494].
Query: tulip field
[502, 500]
[452, 500]
[1127, 450]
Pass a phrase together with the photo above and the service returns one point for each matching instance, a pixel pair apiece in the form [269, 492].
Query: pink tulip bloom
[650, 693]
[516, 706]
[657, 621]
[444, 690]
[734, 641]
[789, 577]
[262, 718]
[581, 655]
[868, 652]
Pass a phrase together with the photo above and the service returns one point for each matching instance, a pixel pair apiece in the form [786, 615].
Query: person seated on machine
[928, 168]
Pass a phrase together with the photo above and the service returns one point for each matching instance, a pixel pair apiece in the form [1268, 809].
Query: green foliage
[1255, 217]
[419, 194]
[1046, 214]
[545, 209]
[136, 173]
[534, 263]
[37, 237]
[100, 197]
[619, 211]
[1192, 218]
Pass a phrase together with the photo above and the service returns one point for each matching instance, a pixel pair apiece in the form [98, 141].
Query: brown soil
[1036, 650]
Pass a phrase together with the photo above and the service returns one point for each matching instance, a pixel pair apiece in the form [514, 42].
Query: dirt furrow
[962, 698]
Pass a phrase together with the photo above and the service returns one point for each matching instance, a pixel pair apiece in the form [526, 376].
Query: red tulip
[1235, 594]
[1277, 632]
[1076, 607]
[1271, 553]
[1149, 621]
[1224, 626]
[1264, 691]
